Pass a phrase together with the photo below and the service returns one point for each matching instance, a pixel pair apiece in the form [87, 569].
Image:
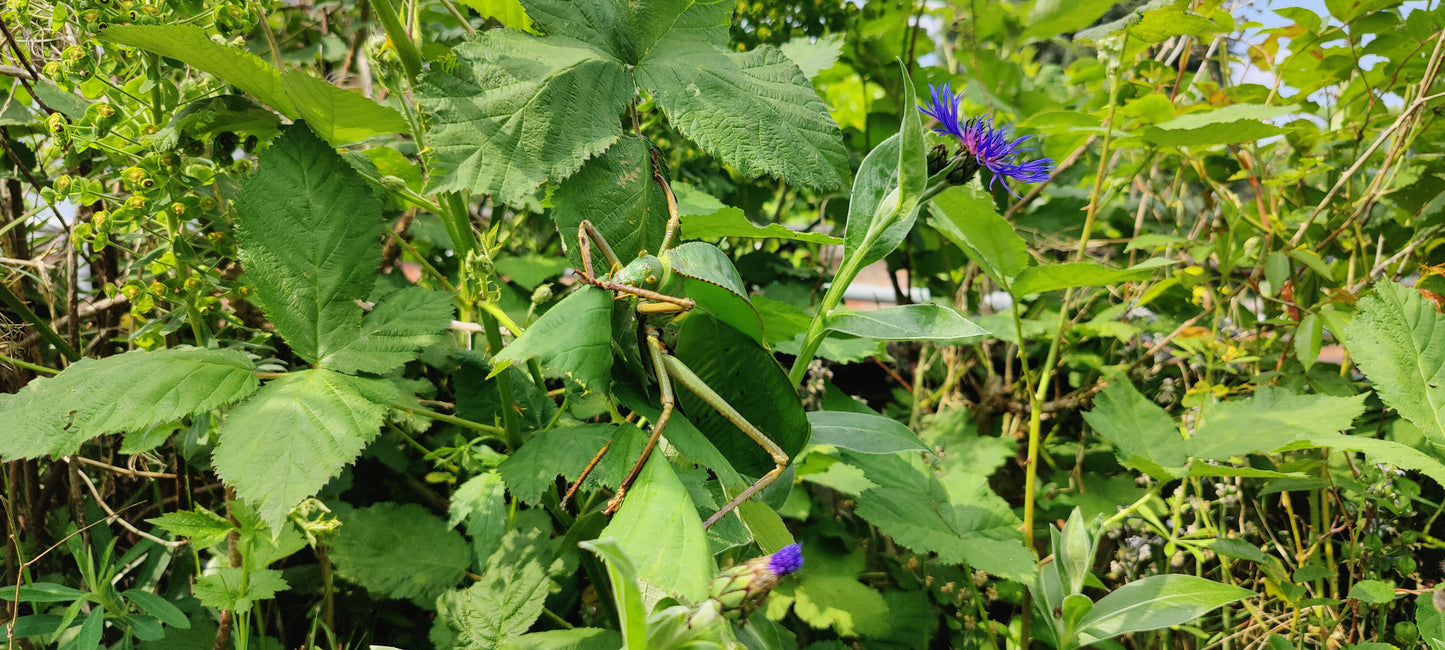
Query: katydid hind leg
[664, 386]
[679, 372]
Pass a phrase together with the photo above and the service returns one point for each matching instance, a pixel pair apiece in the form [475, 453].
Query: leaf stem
[28, 366]
[450, 419]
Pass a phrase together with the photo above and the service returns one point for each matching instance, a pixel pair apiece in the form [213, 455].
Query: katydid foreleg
[679, 372]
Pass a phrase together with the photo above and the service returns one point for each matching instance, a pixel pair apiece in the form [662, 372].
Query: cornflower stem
[937, 183]
[1046, 372]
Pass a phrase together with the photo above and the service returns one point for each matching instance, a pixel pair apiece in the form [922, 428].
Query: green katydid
[698, 330]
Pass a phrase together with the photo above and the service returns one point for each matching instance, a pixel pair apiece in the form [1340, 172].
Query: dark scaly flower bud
[937, 159]
[741, 588]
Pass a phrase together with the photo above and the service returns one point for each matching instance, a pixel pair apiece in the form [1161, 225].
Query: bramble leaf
[399, 551]
[754, 110]
[618, 194]
[338, 115]
[390, 335]
[503, 603]
[127, 392]
[308, 234]
[1143, 434]
[1398, 340]
[237, 588]
[519, 110]
[296, 433]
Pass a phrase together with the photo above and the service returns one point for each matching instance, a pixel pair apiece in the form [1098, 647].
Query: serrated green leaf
[624, 28]
[66, 103]
[1143, 434]
[482, 503]
[618, 194]
[191, 45]
[399, 551]
[917, 511]
[1052, 277]
[659, 530]
[1156, 602]
[125, 392]
[1271, 420]
[339, 116]
[402, 322]
[1398, 340]
[927, 322]
[573, 339]
[237, 588]
[1430, 620]
[282, 445]
[504, 603]
[565, 452]
[203, 527]
[309, 234]
[966, 216]
[1382, 451]
[754, 110]
[862, 432]
[520, 110]
[829, 595]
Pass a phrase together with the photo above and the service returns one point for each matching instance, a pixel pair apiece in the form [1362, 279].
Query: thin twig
[132, 473]
[112, 514]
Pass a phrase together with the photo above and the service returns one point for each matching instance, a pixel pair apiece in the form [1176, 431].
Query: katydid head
[645, 272]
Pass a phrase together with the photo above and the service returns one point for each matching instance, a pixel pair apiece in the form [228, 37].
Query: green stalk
[1046, 372]
[395, 31]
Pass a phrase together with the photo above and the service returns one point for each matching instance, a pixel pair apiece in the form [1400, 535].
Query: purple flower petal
[787, 560]
[988, 145]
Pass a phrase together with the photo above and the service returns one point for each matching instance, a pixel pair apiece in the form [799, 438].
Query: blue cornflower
[985, 145]
[787, 560]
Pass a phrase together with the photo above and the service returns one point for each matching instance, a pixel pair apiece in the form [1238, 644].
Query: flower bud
[937, 159]
[744, 587]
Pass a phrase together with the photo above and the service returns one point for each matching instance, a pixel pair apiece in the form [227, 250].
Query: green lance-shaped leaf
[339, 116]
[573, 339]
[907, 323]
[754, 110]
[390, 335]
[618, 194]
[128, 392]
[309, 232]
[1052, 277]
[625, 591]
[1144, 436]
[747, 377]
[886, 191]
[283, 445]
[518, 110]
[399, 551]
[710, 278]
[1156, 602]
[191, 45]
[623, 28]
[966, 216]
[659, 529]
[1398, 340]
[862, 432]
